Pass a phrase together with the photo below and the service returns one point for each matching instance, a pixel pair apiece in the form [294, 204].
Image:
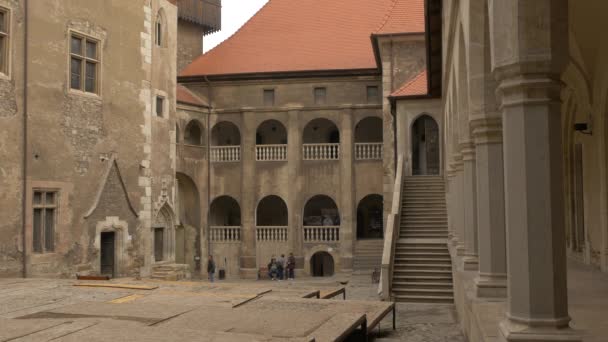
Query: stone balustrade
[368, 151]
[225, 233]
[321, 151]
[266, 233]
[321, 233]
[223, 154]
[271, 152]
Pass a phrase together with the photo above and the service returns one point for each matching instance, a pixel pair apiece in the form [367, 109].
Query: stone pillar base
[460, 250]
[470, 263]
[491, 286]
[516, 332]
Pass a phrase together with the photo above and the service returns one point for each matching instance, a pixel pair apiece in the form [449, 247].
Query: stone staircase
[170, 272]
[422, 266]
[368, 254]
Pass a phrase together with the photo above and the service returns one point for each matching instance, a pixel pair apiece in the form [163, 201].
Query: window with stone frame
[320, 94]
[372, 94]
[268, 97]
[160, 106]
[158, 28]
[4, 40]
[43, 221]
[84, 63]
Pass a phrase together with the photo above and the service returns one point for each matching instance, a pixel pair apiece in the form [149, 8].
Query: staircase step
[422, 299]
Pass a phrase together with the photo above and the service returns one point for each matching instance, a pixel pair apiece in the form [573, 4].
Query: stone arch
[320, 249]
[321, 131]
[369, 130]
[272, 212]
[188, 220]
[225, 133]
[322, 264]
[425, 146]
[321, 210]
[463, 89]
[271, 132]
[194, 133]
[224, 211]
[370, 217]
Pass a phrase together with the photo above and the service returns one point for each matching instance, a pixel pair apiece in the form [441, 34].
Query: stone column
[530, 52]
[294, 200]
[449, 185]
[248, 262]
[458, 205]
[347, 201]
[492, 278]
[470, 261]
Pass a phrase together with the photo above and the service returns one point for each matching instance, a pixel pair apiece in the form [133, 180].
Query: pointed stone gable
[112, 197]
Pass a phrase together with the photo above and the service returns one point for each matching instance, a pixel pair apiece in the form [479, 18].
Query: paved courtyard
[57, 310]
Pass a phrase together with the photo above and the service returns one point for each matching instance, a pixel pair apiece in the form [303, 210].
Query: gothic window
[159, 34]
[84, 64]
[43, 222]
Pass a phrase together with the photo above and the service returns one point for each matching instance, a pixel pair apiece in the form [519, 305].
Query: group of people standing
[278, 269]
[282, 268]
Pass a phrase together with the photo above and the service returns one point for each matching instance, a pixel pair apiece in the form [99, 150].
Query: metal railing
[321, 233]
[274, 233]
[225, 233]
[391, 235]
[271, 152]
[321, 151]
[223, 154]
[368, 151]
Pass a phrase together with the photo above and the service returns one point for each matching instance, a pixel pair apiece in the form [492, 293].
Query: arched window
[159, 29]
[321, 210]
[225, 134]
[368, 139]
[321, 140]
[194, 133]
[272, 211]
[224, 211]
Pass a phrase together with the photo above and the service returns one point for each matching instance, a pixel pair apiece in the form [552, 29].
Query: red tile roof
[309, 35]
[417, 86]
[184, 95]
[404, 16]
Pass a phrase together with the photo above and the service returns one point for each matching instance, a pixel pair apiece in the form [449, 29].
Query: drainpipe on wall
[25, 150]
[210, 100]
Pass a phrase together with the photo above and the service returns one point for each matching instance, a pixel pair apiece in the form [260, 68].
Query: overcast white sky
[234, 14]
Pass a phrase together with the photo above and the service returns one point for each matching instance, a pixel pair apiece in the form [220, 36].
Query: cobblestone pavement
[415, 322]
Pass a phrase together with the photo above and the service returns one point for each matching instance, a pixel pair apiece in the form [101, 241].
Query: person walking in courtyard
[211, 269]
[281, 267]
[291, 265]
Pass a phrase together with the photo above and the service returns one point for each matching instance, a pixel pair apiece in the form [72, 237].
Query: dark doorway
[158, 243]
[322, 265]
[107, 253]
[425, 146]
[369, 218]
[579, 202]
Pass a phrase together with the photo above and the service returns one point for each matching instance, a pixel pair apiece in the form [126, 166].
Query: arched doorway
[188, 212]
[194, 133]
[425, 146]
[271, 212]
[322, 265]
[321, 210]
[369, 218]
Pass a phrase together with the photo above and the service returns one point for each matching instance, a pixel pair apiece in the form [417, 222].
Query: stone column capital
[487, 130]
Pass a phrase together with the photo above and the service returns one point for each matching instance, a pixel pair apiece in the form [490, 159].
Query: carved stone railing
[391, 235]
[271, 152]
[225, 233]
[368, 151]
[321, 233]
[191, 151]
[223, 154]
[321, 151]
[266, 233]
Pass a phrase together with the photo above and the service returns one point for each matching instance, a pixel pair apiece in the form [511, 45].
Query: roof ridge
[387, 16]
[232, 35]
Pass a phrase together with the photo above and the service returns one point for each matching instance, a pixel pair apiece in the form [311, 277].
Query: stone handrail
[225, 233]
[391, 235]
[321, 151]
[321, 233]
[368, 151]
[271, 152]
[225, 154]
[271, 233]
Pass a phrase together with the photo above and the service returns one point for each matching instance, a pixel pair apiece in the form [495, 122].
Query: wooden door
[107, 254]
[158, 244]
